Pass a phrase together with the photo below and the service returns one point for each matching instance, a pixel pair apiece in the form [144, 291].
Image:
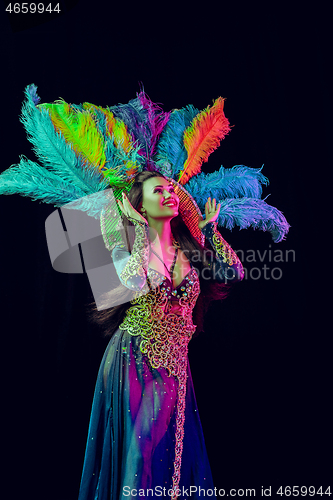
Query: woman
[145, 432]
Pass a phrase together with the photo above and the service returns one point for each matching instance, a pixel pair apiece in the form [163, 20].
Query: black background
[262, 371]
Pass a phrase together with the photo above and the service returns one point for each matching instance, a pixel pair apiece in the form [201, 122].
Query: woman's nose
[166, 194]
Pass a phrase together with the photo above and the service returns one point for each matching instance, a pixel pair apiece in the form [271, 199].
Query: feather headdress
[85, 149]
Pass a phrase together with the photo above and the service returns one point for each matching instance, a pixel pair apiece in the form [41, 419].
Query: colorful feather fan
[85, 149]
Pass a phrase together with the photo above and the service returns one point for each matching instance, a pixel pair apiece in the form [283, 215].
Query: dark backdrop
[262, 370]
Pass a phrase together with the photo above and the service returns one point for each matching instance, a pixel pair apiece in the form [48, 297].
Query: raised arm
[226, 268]
[132, 267]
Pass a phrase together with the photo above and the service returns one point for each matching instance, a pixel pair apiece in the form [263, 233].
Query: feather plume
[156, 121]
[234, 182]
[52, 149]
[30, 179]
[146, 121]
[111, 126]
[202, 138]
[255, 213]
[135, 118]
[170, 151]
[79, 129]
[31, 93]
[122, 161]
[122, 165]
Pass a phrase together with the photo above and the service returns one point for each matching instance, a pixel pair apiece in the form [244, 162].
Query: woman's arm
[226, 268]
[132, 267]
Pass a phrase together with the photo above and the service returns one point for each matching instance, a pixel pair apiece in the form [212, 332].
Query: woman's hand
[129, 211]
[211, 212]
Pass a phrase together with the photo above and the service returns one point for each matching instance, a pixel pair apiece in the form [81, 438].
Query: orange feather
[202, 137]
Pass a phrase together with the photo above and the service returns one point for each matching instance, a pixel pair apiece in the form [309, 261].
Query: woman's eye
[160, 190]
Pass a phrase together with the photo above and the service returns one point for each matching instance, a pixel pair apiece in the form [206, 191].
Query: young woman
[145, 433]
[145, 437]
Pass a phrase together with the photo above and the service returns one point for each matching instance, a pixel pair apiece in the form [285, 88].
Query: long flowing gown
[145, 437]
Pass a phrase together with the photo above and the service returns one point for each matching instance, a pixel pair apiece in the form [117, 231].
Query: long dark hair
[197, 254]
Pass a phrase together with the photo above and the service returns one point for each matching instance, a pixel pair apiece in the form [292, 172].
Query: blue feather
[52, 150]
[234, 182]
[170, 152]
[255, 213]
[32, 91]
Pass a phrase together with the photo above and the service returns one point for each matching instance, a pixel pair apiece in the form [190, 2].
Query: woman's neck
[163, 229]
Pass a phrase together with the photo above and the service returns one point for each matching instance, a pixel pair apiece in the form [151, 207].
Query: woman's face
[159, 198]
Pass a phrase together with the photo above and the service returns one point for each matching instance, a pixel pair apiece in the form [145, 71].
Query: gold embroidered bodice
[163, 319]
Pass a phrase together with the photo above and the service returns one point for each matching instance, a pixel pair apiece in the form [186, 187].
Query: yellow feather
[79, 129]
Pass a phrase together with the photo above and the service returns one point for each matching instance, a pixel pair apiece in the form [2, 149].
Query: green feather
[54, 153]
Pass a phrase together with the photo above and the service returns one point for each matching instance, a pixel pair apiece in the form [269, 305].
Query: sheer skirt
[131, 438]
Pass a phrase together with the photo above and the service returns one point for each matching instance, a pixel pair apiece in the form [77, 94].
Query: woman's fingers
[128, 209]
[212, 210]
[127, 206]
[121, 206]
[211, 205]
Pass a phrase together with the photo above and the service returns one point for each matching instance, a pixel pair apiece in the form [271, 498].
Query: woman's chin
[170, 211]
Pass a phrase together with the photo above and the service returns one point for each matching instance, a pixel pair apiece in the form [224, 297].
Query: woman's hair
[197, 254]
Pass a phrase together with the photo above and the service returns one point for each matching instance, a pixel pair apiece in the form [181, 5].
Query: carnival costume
[144, 431]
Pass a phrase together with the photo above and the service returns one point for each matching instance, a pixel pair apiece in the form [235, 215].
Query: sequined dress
[145, 437]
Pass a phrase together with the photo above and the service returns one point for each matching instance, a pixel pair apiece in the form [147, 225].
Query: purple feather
[157, 119]
[145, 120]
